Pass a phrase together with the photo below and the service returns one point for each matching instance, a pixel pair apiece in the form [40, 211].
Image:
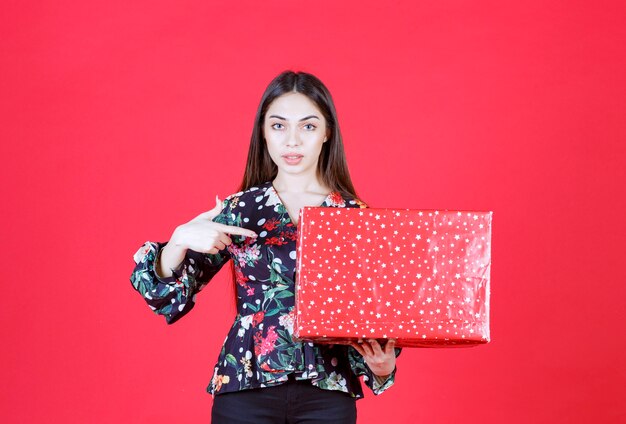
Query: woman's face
[295, 131]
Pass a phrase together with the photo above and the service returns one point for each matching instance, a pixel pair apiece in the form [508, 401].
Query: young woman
[262, 375]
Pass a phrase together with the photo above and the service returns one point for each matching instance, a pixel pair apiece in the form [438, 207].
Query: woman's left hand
[381, 361]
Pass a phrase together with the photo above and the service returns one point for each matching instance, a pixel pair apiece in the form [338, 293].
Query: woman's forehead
[293, 106]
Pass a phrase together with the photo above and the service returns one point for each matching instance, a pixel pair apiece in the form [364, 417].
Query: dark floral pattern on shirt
[259, 350]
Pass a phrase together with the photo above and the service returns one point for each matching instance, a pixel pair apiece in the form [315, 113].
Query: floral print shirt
[259, 350]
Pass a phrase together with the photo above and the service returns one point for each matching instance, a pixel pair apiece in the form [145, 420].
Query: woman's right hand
[200, 234]
[203, 235]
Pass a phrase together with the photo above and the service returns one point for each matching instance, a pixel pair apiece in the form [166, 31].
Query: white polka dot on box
[419, 276]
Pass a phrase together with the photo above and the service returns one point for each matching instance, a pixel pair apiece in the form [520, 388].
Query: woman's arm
[173, 296]
[168, 275]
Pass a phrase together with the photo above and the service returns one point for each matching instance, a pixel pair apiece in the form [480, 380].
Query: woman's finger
[375, 347]
[225, 239]
[219, 245]
[367, 349]
[213, 212]
[231, 229]
[389, 347]
[358, 348]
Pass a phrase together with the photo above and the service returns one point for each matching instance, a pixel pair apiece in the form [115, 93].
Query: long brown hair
[332, 167]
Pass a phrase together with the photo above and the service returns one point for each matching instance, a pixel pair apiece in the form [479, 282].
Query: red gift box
[419, 276]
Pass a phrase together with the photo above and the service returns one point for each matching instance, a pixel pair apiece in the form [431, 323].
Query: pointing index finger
[231, 229]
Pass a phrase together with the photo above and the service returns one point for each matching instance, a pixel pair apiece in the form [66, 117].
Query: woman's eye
[277, 126]
[309, 127]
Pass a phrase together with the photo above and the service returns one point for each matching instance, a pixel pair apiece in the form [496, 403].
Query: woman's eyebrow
[303, 119]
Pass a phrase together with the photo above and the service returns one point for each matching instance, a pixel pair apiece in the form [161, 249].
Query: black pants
[288, 403]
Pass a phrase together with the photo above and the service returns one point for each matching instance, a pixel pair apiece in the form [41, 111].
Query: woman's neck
[299, 184]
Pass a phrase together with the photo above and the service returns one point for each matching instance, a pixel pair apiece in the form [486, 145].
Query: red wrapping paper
[418, 276]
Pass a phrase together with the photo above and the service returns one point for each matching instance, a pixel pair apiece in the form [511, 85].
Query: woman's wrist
[169, 258]
[176, 241]
[380, 380]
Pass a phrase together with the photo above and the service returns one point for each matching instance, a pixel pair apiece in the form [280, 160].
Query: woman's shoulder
[249, 196]
[347, 200]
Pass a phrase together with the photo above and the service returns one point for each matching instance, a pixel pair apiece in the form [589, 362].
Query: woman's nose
[293, 139]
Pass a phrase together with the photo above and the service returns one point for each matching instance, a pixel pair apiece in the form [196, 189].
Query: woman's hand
[382, 361]
[203, 235]
[200, 234]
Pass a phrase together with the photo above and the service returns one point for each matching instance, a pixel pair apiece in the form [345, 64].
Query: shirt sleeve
[175, 296]
[375, 383]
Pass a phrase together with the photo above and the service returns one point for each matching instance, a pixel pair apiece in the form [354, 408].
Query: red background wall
[121, 120]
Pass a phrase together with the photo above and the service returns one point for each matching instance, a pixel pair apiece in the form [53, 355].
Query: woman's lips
[292, 159]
